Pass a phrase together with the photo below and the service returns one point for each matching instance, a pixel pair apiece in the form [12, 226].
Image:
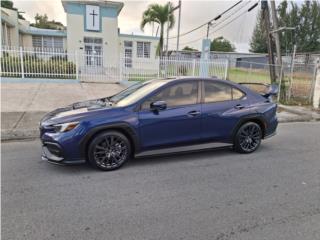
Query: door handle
[238, 106]
[194, 113]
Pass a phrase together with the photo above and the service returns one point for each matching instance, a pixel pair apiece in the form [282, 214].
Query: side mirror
[158, 105]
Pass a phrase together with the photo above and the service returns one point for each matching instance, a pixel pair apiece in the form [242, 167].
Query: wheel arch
[123, 128]
[258, 119]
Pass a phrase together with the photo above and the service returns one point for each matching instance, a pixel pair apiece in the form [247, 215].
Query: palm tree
[160, 14]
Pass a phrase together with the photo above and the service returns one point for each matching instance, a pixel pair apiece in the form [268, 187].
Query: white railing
[37, 63]
[143, 69]
[95, 67]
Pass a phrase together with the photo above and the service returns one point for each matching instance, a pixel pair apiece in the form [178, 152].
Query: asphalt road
[273, 193]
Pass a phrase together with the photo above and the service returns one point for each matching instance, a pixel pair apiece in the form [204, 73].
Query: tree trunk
[161, 40]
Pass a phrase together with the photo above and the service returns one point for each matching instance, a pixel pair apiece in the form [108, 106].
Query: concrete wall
[146, 63]
[11, 26]
[75, 37]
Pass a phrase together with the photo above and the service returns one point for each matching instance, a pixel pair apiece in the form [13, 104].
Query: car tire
[109, 150]
[248, 138]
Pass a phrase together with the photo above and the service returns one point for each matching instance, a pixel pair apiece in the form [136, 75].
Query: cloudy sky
[193, 14]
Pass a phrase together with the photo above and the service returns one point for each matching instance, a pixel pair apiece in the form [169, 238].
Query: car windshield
[135, 92]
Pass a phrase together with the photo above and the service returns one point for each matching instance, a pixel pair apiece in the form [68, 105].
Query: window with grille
[128, 44]
[37, 41]
[47, 42]
[58, 42]
[143, 49]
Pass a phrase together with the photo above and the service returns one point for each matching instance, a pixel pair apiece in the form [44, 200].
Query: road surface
[273, 193]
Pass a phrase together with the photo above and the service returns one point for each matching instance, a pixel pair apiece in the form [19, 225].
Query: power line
[232, 20]
[213, 19]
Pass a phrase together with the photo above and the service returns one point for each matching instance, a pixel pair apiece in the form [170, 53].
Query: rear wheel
[248, 138]
[109, 150]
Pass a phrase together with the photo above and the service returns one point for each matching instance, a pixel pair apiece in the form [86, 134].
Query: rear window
[219, 92]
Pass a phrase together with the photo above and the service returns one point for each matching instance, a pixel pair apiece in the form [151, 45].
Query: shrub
[35, 67]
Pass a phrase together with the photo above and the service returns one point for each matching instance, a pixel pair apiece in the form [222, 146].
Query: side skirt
[182, 149]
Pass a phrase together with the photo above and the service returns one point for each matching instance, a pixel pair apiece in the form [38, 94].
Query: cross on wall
[93, 14]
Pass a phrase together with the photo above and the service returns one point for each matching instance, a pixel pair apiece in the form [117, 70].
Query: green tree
[304, 17]
[221, 44]
[258, 43]
[160, 14]
[41, 21]
[9, 5]
[190, 49]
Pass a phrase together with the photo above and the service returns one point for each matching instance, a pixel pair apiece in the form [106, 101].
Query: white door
[93, 54]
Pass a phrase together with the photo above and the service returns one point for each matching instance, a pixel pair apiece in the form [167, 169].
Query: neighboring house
[92, 32]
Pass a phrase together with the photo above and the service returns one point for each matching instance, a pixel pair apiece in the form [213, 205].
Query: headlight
[65, 127]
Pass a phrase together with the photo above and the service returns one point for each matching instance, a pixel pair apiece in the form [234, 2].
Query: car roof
[216, 79]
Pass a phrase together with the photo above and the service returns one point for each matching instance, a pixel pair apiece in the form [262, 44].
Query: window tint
[177, 95]
[216, 92]
[236, 94]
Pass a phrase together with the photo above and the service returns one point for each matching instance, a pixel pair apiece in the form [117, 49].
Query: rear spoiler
[265, 90]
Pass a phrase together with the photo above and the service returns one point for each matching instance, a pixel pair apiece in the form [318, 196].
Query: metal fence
[297, 79]
[37, 63]
[93, 66]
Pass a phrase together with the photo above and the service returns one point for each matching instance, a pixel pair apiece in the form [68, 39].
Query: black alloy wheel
[248, 138]
[109, 150]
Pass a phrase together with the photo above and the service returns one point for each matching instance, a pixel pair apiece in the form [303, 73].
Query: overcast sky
[193, 14]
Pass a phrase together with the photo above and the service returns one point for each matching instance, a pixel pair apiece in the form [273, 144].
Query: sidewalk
[24, 104]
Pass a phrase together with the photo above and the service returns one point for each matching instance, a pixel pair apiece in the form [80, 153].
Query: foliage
[11, 67]
[189, 49]
[304, 17]
[9, 5]
[258, 42]
[159, 14]
[41, 21]
[221, 44]
[182, 70]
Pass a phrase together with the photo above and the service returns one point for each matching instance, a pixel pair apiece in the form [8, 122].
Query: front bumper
[53, 153]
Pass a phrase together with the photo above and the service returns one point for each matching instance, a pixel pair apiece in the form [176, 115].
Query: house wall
[138, 62]
[108, 33]
[11, 27]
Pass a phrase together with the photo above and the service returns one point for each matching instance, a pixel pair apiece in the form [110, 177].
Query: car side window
[179, 94]
[216, 92]
[219, 92]
[237, 94]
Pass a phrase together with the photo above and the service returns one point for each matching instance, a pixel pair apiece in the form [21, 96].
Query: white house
[92, 32]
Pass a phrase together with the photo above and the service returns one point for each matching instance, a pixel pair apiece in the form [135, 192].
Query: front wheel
[248, 138]
[109, 150]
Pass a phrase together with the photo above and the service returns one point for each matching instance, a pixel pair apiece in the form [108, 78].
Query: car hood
[75, 111]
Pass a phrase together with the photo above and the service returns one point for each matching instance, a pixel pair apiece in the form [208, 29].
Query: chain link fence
[297, 80]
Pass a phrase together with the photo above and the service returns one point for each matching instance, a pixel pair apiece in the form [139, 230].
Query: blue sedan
[159, 114]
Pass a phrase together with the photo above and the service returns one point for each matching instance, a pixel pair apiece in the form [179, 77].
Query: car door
[222, 104]
[179, 123]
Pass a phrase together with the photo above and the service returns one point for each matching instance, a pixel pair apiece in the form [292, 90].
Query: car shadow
[156, 159]
[180, 157]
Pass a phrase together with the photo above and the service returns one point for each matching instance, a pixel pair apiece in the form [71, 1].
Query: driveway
[273, 193]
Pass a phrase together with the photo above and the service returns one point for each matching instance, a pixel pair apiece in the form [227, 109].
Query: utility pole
[276, 35]
[168, 26]
[208, 28]
[179, 19]
[266, 18]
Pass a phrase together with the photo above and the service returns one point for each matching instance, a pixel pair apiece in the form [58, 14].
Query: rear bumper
[271, 128]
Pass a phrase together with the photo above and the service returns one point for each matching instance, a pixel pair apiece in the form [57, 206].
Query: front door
[93, 53]
[128, 54]
[179, 123]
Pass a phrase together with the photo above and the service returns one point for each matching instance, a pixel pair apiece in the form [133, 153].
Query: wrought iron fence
[92, 66]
